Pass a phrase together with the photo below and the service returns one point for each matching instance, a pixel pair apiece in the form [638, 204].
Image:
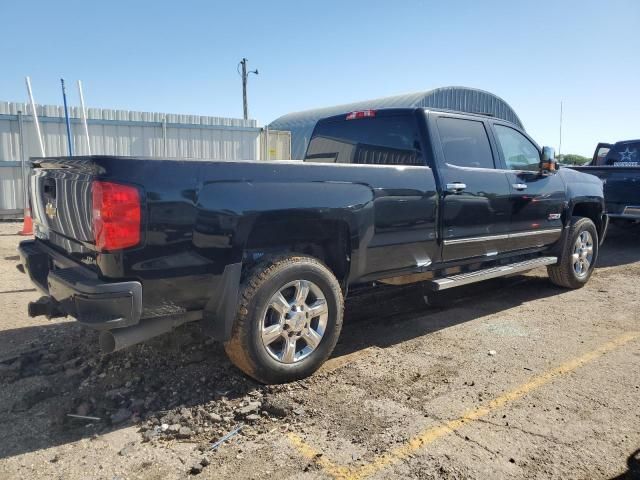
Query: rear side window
[465, 143]
[601, 155]
[624, 154]
[381, 140]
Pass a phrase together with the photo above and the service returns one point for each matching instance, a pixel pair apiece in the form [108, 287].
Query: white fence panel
[118, 132]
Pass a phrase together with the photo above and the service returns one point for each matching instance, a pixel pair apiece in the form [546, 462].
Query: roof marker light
[361, 114]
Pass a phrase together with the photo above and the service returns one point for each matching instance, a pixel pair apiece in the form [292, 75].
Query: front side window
[518, 152]
[381, 140]
[465, 143]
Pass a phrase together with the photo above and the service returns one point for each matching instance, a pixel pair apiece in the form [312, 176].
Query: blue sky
[181, 57]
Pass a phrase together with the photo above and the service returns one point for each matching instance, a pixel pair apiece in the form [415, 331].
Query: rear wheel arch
[326, 240]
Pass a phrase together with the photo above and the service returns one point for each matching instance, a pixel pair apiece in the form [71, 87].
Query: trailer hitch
[45, 306]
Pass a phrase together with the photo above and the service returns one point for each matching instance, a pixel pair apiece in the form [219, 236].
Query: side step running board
[493, 272]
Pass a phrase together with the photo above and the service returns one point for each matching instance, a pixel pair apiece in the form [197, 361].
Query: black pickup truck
[618, 166]
[263, 253]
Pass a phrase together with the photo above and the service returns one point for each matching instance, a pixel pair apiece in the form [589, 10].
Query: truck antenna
[560, 145]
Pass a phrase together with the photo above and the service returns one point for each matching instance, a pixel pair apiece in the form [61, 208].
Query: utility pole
[245, 77]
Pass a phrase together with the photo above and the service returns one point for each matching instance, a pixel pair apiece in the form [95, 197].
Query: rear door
[387, 148]
[475, 208]
[537, 200]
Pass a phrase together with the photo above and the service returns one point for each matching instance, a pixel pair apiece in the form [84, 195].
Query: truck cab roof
[399, 111]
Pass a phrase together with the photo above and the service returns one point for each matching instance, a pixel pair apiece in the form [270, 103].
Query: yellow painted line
[311, 453]
[434, 433]
[336, 363]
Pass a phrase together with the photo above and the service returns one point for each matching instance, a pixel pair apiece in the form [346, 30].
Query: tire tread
[561, 273]
[237, 347]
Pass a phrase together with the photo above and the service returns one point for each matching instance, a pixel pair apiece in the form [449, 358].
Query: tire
[565, 273]
[262, 307]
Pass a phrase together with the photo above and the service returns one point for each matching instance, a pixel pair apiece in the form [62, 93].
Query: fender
[237, 216]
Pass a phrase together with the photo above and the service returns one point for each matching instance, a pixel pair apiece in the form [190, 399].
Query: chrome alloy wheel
[582, 254]
[294, 321]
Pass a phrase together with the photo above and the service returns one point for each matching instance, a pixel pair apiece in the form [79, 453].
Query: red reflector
[116, 215]
[361, 114]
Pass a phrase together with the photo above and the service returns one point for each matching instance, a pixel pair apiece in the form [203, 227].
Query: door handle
[456, 187]
[519, 186]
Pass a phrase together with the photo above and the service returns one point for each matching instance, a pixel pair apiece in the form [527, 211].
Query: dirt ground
[511, 378]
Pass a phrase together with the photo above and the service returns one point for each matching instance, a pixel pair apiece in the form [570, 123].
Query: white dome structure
[462, 99]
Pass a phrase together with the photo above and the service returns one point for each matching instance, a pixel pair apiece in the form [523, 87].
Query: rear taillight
[116, 215]
[361, 114]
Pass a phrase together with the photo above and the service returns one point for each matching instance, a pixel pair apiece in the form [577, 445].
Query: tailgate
[61, 201]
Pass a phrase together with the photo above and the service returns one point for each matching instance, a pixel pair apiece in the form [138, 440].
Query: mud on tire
[271, 309]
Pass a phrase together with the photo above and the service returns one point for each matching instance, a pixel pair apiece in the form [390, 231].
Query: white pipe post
[35, 116]
[83, 111]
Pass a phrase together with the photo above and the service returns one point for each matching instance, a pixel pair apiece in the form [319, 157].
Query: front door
[537, 199]
[475, 208]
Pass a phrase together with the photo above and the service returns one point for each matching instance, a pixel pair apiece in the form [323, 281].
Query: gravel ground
[511, 378]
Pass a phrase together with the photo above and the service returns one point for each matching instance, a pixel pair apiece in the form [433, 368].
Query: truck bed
[621, 189]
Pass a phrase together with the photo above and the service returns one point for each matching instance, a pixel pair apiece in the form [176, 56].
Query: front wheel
[288, 321]
[579, 255]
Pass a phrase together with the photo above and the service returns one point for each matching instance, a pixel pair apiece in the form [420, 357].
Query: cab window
[380, 140]
[601, 155]
[623, 154]
[465, 143]
[517, 150]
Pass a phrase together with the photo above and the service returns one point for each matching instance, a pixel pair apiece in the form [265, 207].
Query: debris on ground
[226, 437]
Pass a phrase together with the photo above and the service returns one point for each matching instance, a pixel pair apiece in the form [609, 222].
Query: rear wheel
[288, 321]
[578, 257]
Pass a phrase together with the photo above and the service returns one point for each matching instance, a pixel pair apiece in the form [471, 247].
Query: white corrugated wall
[121, 132]
[10, 190]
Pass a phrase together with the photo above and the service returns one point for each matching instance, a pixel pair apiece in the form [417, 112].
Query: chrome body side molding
[487, 238]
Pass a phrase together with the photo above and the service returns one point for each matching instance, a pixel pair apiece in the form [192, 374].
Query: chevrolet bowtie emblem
[51, 210]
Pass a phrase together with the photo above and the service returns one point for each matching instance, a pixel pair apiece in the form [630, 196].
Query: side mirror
[548, 162]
